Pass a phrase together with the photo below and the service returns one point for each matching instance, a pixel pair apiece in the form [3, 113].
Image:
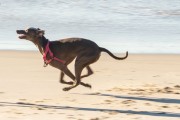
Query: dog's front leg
[63, 81]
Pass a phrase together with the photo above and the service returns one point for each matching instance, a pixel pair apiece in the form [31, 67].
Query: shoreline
[4, 50]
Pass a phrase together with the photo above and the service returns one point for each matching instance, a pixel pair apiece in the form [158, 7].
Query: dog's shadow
[159, 100]
[61, 107]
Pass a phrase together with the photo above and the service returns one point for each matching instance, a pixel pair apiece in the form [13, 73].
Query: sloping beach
[144, 86]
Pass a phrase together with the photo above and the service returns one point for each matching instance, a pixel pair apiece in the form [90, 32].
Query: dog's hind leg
[80, 63]
[89, 72]
[78, 70]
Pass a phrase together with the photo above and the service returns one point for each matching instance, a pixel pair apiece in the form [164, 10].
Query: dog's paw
[66, 88]
[88, 85]
[85, 85]
[69, 83]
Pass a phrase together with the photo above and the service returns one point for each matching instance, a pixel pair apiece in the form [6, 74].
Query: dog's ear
[41, 33]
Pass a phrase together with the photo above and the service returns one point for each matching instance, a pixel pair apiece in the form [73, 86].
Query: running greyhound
[62, 52]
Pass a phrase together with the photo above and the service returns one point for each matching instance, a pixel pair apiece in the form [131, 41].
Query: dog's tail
[115, 57]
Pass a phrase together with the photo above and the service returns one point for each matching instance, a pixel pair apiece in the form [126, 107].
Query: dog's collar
[51, 55]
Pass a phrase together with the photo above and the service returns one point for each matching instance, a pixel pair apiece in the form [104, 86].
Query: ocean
[137, 26]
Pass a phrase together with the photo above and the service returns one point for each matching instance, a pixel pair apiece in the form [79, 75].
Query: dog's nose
[20, 32]
[17, 31]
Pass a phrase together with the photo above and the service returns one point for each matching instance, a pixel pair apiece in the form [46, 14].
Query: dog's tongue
[22, 36]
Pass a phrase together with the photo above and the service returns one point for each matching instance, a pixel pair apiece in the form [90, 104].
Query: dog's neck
[41, 43]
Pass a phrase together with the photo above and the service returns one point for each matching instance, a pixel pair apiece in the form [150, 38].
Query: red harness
[52, 57]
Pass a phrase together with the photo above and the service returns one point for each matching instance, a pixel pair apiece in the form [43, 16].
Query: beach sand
[142, 87]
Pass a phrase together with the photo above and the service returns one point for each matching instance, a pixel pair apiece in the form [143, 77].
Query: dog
[60, 53]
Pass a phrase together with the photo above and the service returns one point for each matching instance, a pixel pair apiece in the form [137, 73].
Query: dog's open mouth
[22, 34]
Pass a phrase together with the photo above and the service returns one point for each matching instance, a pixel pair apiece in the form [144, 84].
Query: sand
[142, 87]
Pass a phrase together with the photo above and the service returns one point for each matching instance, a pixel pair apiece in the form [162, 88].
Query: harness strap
[52, 57]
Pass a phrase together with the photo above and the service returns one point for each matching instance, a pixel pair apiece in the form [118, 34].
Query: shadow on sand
[160, 100]
[148, 113]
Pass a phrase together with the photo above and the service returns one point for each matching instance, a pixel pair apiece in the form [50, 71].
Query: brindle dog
[85, 51]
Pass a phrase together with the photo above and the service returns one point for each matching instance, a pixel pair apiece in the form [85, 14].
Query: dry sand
[143, 87]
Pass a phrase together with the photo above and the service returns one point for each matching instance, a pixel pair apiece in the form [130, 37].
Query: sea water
[137, 26]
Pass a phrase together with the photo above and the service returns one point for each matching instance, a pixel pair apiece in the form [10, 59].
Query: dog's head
[30, 34]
